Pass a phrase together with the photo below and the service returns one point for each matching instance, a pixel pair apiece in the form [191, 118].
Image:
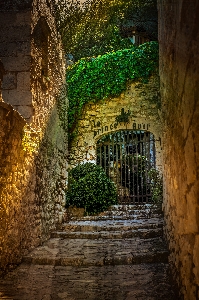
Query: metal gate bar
[127, 157]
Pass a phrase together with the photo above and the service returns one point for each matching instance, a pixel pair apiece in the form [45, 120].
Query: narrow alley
[99, 106]
[119, 254]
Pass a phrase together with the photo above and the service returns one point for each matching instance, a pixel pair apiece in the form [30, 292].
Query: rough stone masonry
[179, 64]
[33, 143]
[140, 100]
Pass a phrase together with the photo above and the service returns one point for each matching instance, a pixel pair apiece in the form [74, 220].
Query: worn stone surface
[87, 267]
[15, 55]
[33, 158]
[98, 119]
[179, 44]
[104, 283]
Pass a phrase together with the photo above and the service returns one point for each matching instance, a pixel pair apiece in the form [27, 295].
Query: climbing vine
[62, 106]
[156, 185]
[95, 78]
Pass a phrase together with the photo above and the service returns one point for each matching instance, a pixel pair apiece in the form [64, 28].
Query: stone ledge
[15, 113]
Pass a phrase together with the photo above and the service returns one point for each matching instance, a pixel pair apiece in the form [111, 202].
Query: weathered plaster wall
[179, 65]
[33, 144]
[142, 100]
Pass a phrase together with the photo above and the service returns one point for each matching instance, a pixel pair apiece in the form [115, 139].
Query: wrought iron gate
[127, 157]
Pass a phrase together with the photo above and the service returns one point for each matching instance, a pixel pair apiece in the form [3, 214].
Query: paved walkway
[118, 255]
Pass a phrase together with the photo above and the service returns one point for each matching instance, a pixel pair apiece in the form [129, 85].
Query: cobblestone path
[118, 255]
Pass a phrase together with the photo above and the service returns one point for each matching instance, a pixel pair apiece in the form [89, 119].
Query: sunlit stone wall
[33, 139]
[140, 100]
[179, 77]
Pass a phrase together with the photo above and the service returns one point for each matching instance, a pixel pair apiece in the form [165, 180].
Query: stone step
[122, 211]
[133, 207]
[139, 210]
[100, 252]
[118, 216]
[112, 225]
[142, 233]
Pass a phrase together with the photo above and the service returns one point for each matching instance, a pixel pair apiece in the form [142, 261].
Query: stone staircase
[119, 254]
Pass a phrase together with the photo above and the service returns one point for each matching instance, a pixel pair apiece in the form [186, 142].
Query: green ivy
[62, 108]
[90, 188]
[95, 78]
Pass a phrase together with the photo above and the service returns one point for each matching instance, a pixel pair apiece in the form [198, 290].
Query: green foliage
[90, 188]
[135, 176]
[91, 27]
[62, 107]
[96, 78]
[143, 176]
[144, 15]
[156, 186]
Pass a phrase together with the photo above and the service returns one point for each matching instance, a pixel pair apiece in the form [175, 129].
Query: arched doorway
[127, 157]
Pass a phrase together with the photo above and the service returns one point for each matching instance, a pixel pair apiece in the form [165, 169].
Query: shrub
[90, 188]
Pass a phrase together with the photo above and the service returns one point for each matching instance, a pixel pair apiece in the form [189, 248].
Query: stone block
[25, 111]
[22, 63]
[7, 18]
[15, 33]
[14, 48]
[8, 49]
[23, 18]
[9, 81]
[15, 97]
[14, 19]
[23, 48]
[23, 81]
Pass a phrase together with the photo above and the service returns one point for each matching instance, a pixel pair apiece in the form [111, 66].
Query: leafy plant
[134, 173]
[143, 178]
[90, 188]
[62, 108]
[96, 78]
[92, 27]
[156, 185]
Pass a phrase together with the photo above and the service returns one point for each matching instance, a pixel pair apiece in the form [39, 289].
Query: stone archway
[136, 109]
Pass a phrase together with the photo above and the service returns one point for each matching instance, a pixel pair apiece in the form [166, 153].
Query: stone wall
[15, 57]
[179, 65]
[143, 103]
[33, 135]
[50, 113]
[19, 213]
